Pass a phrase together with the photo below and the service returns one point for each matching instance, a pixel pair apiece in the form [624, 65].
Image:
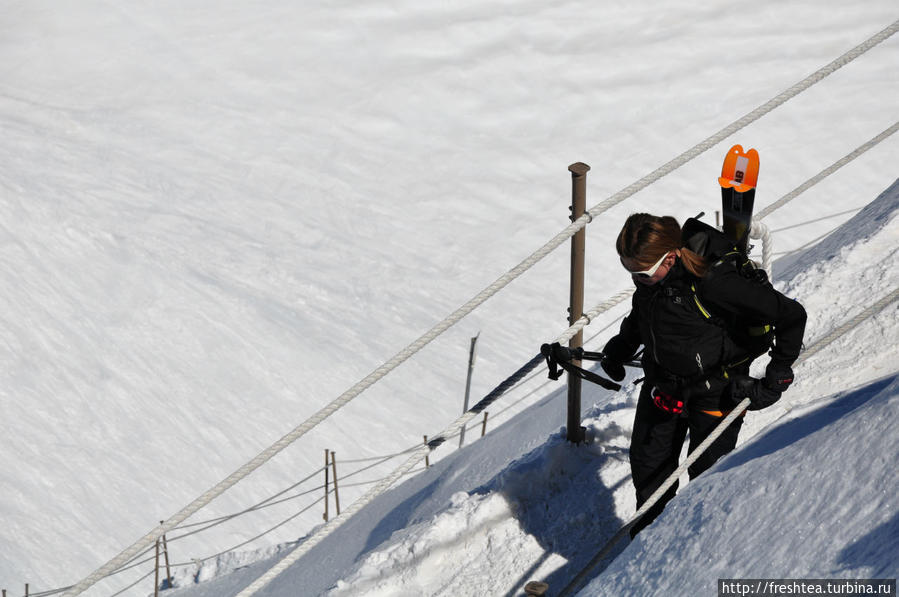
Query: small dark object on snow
[536, 588]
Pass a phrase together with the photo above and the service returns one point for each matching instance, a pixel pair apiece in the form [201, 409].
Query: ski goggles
[651, 271]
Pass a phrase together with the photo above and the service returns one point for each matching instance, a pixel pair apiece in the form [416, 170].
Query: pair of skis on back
[739, 176]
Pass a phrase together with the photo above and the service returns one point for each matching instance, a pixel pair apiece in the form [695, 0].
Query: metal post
[484, 424]
[334, 470]
[576, 308]
[427, 457]
[471, 357]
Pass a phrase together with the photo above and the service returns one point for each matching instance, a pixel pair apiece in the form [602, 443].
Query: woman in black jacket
[697, 353]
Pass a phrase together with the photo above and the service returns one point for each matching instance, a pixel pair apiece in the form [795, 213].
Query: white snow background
[218, 216]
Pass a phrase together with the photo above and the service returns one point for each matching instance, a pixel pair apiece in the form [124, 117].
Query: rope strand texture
[468, 307]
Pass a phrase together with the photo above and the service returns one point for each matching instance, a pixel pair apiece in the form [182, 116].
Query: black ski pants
[656, 443]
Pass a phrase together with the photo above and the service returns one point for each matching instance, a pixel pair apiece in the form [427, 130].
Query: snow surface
[219, 216]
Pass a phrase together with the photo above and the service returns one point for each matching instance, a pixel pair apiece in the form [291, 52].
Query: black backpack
[754, 337]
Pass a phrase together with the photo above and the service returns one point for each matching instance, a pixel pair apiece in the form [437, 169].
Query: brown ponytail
[644, 238]
[695, 264]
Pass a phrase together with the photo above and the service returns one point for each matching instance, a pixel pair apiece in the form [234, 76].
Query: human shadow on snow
[559, 499]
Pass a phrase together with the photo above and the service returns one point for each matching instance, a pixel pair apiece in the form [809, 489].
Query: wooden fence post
[325, 516]
[484, 424]
[334, 470]
[168, 568]
[427, 455]
[156, 572]
[471, 358]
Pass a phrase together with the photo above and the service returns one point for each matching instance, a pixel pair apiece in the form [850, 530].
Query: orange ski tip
[740, 169]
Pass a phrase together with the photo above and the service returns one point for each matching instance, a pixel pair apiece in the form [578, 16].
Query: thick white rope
[722, 426]
[333, 524]
[468, 307]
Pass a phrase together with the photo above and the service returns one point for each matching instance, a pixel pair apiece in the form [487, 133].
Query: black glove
[778, 376]
[562, 353]
[614, 355]
[613, 368]
[760, 396]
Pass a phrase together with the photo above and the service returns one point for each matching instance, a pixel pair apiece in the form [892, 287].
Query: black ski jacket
[688, 326]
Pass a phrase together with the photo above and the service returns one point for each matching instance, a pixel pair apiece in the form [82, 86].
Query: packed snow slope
[791, 502]
[218, 216]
